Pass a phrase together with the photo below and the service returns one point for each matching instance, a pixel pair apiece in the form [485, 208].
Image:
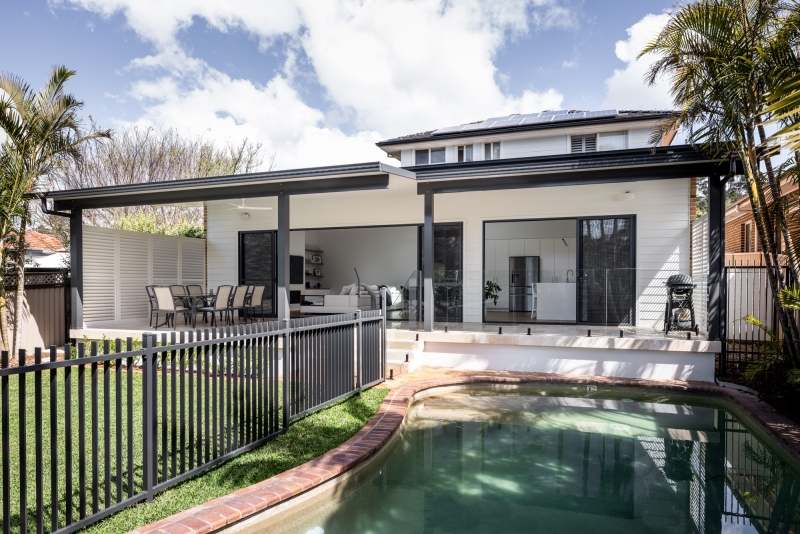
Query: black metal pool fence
[113, 427]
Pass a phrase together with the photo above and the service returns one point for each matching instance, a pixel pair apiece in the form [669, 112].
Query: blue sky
[319, 81]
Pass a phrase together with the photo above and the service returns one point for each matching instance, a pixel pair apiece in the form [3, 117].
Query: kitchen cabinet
[516, 247]
[547, 260]
[561, 259]
[501, 270]
[532, 247]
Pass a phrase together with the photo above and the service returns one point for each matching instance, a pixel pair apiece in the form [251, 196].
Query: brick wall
[735, 235]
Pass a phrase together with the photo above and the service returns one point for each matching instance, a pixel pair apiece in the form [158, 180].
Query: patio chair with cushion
[240, 299]
[151, 297]
[220, 305]
[165, 303]
[179, 294]
[255, 304]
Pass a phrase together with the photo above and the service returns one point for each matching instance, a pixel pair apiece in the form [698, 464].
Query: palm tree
[722, 57]
[41, 128]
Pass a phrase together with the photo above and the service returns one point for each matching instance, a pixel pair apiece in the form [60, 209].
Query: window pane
[460, 154]
[468, 156]
[613, 141]
[487, 151]
[495, 150]
[437, 155]
[422, 157]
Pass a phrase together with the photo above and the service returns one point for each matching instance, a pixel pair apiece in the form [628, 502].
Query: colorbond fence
[112, 424]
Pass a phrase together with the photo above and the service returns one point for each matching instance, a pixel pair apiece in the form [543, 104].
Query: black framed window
[257, 263]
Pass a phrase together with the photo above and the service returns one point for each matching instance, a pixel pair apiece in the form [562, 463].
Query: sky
[318, 82]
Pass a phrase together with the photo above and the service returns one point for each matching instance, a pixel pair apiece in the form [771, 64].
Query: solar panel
[602, 113]
[535, 120]
[509, 122]
[559, 112]
[478, 126]
[529, 116]
[447, 129]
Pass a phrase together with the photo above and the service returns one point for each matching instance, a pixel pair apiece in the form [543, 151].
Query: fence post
[148, 433]
[286, 366]
[359, 350]
[383, 331]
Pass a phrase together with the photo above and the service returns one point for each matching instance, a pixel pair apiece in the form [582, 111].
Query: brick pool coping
[245, 502]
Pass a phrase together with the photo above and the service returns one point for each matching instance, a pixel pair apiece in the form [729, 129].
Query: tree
[41, 129]
[141, 155]
[722, 57]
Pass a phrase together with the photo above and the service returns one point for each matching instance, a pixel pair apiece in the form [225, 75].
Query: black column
[716, 261]
[427, 263]
[76, 268]
[283, 260]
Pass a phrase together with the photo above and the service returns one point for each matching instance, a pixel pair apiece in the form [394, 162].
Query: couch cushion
[346, 290]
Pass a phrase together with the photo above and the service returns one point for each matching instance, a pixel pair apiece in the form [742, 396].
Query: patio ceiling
[340, 178]
[632, 165]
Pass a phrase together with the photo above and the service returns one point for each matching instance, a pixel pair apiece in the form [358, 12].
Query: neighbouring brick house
[740, 227]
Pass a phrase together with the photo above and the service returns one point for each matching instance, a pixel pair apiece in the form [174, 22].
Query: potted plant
[491, 291]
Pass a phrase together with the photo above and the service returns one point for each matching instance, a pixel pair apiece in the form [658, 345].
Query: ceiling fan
[243, 206]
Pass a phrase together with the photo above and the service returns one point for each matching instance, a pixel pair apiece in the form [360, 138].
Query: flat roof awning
[314, 180]
[631, 165]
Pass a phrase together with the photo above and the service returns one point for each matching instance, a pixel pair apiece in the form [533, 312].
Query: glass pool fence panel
[332, 357]
[89, 430]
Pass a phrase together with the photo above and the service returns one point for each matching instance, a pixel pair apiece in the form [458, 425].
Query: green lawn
[305, 440]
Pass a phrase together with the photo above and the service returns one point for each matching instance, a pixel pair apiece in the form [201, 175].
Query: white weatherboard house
[573, 219]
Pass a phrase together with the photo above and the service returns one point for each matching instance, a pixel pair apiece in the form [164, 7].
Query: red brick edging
[245, 502]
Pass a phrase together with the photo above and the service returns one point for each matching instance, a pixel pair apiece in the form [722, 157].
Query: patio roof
[630, 165]
[313, 180]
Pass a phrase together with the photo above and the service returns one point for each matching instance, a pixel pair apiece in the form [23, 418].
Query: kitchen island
[555, 301]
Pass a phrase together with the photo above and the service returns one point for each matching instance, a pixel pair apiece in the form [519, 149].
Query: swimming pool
[536, 458]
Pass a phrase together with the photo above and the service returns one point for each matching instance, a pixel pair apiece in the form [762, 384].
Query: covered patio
[376, 195]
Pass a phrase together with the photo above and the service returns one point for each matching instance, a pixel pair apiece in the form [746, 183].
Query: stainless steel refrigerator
[523, 272]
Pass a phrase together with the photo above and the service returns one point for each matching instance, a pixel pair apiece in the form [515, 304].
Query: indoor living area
[560, 271]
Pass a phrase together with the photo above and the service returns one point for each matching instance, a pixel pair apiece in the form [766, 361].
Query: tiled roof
[38, 240]
[477, 127]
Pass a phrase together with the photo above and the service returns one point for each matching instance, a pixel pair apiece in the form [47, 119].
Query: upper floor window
[613, 141]
[421, 157]
[491, 151]
[437, 155]
[464, 153]
[583, 143]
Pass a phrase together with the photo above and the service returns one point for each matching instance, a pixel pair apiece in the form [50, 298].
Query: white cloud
[387, 67]
[626, 88]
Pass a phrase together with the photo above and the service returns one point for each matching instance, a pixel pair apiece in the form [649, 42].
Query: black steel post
[283, 260]
[716, 264]
[76, 268]
[149, 421]
[427, 263]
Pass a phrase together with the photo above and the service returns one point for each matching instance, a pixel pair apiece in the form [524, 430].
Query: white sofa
[352, 301]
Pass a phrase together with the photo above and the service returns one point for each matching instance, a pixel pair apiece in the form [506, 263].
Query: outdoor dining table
[190, 301]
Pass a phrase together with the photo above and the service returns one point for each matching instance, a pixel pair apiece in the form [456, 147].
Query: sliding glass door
[606, 274]
[257, 262]
[448, 287]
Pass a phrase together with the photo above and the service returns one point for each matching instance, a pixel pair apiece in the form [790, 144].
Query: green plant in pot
[491, 291]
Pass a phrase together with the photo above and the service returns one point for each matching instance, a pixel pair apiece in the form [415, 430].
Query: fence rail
[749, 294]
[115, 423]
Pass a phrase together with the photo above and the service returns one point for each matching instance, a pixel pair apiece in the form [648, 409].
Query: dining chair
[255, 302]
[239, 301]
[165, 303]
[220, 305]
[151, 297]
[179, 294]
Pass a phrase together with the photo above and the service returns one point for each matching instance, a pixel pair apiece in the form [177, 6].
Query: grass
[305, 440]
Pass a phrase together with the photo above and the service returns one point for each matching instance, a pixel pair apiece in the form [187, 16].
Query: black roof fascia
[292, 182]
[525, 128]
[618, 166]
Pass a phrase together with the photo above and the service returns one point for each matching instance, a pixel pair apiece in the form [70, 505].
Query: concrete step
[403, 344]
[400, 335]
[399, 355]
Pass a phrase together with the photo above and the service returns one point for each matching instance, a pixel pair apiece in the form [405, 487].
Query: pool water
[534, 460]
